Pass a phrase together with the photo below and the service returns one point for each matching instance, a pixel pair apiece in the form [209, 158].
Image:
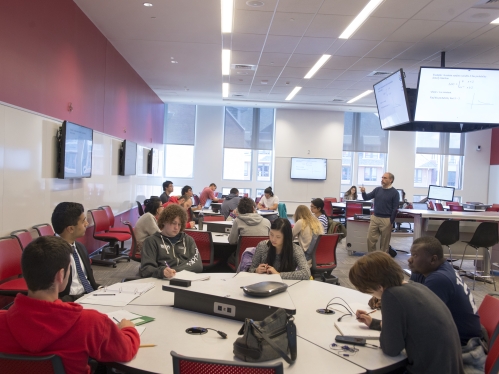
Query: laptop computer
[219, 195]
[420, 206]
[207, 205]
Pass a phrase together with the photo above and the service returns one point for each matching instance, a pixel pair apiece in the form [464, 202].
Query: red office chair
[11, 281]
[257, 200]
[133, 254]
[331, 211]
[101, 225]
[456, 208]
[439, 207]
[324, 254]
[243, 243]
[489, 314]
[23, 236]
[192, 365]
[430, 205]
[204, 243]
[213, 218]
[31, 364]
[44, 229]
[453, 203]
[196, 200]
[352, 209]
[492, 209]
[110, 216]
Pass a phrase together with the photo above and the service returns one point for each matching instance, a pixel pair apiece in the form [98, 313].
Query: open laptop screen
[207, 205]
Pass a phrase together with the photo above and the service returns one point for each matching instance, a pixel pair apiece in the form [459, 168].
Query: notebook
[189, 275]
[357, 329]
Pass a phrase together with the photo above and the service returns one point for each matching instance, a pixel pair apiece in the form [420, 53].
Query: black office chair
[485, 236]
[141, 210]
[448, 234]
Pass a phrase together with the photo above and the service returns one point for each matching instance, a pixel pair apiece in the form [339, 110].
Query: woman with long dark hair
[351, 194]
[279, 255]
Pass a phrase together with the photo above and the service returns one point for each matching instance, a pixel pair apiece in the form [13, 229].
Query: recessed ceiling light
[360, 96]
[227, 10]
[255, 3]
[496, 21]
[293, 93]
[360, 19]
[147, 4]
[174, 62]
[225, 61]
[317, 66]
[225, 90]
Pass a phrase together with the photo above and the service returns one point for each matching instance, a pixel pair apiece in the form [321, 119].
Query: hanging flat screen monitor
[458, 95]
[440, 193]
[128, 158]
[391, 100]
[308, 168]
[75, 151]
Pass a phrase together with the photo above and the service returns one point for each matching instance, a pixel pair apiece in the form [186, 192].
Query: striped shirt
[323, 219]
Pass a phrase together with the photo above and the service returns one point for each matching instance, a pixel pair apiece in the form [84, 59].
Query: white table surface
[315, 332]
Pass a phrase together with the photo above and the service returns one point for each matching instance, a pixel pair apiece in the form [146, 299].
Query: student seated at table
[147, 224]
[167, 191]
[175, 200]
[269, 201]
[429, 267]
[317, 209]
[279, 255]
[186, 205]
[306, 229]
[171, 250]
[40, 324]
[351, 194]
[187, 191]
[230, 202]
[248, 222]
[207, 193]
[414, 318]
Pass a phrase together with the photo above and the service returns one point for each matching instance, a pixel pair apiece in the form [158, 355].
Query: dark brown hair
[246, 205]
[373, 270]
[169, 214]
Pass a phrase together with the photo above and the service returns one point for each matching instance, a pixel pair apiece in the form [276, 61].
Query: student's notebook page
[189, 275]
[118, 294]
[357, 329]
[118, 315]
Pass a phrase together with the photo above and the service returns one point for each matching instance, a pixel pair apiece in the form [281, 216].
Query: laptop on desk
[207, 205]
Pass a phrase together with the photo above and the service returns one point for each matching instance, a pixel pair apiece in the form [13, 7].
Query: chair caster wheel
[114, 265]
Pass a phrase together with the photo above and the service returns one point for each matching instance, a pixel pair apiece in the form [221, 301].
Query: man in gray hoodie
[230, 202]
[248, 222]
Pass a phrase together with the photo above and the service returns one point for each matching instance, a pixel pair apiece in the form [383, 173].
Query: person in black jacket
[70, 222]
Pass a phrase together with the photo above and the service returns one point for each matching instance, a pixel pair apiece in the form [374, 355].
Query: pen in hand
[371, 312]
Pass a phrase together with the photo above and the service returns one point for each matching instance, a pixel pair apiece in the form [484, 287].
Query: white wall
[308, 134]
[29, 190]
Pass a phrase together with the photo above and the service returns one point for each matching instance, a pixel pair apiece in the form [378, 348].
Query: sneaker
[392, 252]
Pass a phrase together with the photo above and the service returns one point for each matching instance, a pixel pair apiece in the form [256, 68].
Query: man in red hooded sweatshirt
[40, 324]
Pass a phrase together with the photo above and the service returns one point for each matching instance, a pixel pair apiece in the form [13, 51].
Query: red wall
[494, 150]
[51, 55]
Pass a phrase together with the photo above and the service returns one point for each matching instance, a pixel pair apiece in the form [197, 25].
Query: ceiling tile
[292, 24]
[356, 48]
[452, 32]
[278, 59]
[414, 30]
[261, 89]
[396, 64]
[300, 6]
[421, 51]
[399, 8]
[328, 26]
[251, 22]
[328, 74]
[268, 6]
[354, 75]
[303, 61]
[489, 57]
[268, 71]
[247, 42]
[363, 85]
[290, 82]
[479, 15]
[465, 52]
[344, 8]
[340, 62]
[389, 49]
[310, 45]
[378, 28]
[241, 57]
[368, 63]
[291, 72]
[318, 83]
[341, 84]
[281, 44]
[330, 92]
[444, 10]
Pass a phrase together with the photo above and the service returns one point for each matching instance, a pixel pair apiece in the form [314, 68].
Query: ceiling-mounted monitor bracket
[442, 59]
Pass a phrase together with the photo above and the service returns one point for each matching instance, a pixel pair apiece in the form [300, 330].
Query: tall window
[364, 150]
[439, 159]
[248, 143]
[180, 138]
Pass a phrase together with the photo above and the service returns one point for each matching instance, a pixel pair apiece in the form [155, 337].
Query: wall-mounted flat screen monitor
[458, 95]
[440, 193]
[74, 153]
[308, 168]
[391, 100]
[128, 158]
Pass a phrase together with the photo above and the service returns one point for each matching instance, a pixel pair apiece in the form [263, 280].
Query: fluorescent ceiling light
[360, 19]
[225, 61]
[317, 66]
[496, 21]
[227, 11]
[293, 93]
[147, 4]
[360, 96]
[225, 90]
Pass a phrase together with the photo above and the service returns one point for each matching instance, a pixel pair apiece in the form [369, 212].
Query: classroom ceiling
[176, 46]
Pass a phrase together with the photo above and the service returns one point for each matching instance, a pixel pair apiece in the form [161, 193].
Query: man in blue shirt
[386, 204]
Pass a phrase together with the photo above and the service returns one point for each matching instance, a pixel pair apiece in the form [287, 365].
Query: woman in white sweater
[306, 227]
[147, 224]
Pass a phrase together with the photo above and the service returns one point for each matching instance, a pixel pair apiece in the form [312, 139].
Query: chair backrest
[353, 208]
[331, 199]
[453, 203]
[44, 229]
[439, 207]
[328, 208]
[485, 235]
[456, 208]
[110, 214]
[489, 314]
[492, 209]
[204, 243]
[257, 200]
[448, 232]
[10, 258]
[192, 365]
[213, 218]
[246, 242]
[101, 222]
[492, 362]
[23, 236]
[140, 209]
[31, 364]
[430, 205]
[324, 253]
[133, 248]
[196, 200]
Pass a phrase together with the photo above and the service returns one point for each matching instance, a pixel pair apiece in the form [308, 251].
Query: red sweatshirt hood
[27, 315]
